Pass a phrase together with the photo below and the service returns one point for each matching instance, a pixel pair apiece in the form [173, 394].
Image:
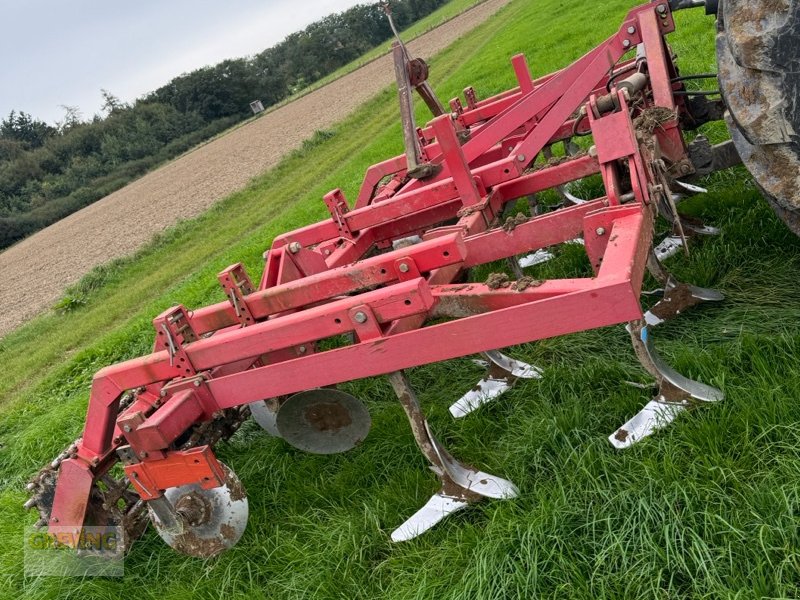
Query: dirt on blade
[40, 267]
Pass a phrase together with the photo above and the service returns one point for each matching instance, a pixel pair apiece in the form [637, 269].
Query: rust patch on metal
[328, 416]
[673, 395]
[453, 490]
[675, 301]
[228, 533]
[621, 435]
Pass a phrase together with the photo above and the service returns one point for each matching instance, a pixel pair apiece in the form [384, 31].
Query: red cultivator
[383, 283]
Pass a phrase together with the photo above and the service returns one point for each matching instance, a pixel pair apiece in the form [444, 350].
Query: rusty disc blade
[212, 520]
[323, 421]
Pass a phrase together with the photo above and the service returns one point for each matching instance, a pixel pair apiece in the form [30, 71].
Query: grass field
[706, 509]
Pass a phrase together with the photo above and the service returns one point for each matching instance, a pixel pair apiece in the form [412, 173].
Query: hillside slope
[121, 223]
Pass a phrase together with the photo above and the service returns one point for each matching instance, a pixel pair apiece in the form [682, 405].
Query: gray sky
[58, 52]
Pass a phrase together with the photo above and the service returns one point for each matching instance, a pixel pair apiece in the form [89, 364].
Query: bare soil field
[40, 267]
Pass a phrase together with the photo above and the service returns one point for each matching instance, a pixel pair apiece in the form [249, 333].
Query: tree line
[49, 171]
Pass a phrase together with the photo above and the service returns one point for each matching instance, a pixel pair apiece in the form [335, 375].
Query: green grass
[706, 509]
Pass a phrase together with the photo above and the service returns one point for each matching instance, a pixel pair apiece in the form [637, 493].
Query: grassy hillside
[705, 509]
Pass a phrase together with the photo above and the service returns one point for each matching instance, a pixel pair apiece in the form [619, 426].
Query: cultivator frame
[387, 274]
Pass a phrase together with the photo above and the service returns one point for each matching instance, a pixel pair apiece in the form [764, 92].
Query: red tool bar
[523, 73]
[179, 413]
[652, 29]
[602, 305]
[379, 270]
[588, 71]
[420, 209]
[467, 299]
[607, 300]
[374, 176]
[634, 231]
[107, 387]
[387, 304]
[450, 148]
[541, 232]
[548, 177]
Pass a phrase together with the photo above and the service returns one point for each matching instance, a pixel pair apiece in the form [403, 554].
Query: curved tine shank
[469, 478]
[265, 416]
[678, 296]
[461, 484]
[676, 392]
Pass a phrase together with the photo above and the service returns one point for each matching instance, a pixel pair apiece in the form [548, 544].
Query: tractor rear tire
[758, 51]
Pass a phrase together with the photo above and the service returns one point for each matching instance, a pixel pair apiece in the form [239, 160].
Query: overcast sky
[62, 52]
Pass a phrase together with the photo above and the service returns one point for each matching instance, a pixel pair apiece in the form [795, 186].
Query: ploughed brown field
[37, 270]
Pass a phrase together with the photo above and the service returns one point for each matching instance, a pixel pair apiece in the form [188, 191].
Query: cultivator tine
[542, 256]
[502, 372]
[435, 509]
[676, 393]
[461, 484]
[677, 296]
[654, 416]
[700, 229]
[672, 244]
[572, 199]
